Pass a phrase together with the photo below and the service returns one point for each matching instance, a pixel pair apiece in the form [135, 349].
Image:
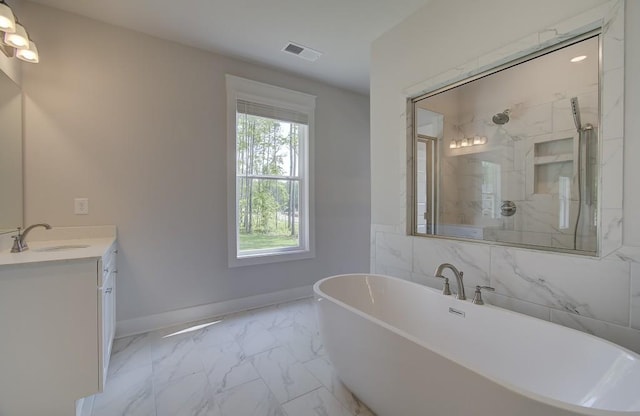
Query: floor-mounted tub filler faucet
[458, 275]
[20, 242]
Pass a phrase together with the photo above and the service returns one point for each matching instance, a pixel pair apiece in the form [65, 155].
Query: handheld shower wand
[575, 109]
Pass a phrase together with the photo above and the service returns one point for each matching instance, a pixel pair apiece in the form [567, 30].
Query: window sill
[265, 258]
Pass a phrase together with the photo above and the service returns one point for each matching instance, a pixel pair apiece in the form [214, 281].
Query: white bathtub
[398, 347]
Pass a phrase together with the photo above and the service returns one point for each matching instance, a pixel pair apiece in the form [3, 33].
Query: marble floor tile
[286, 377]
[243, 364]
[322, 369]
[249, 399]
[189, 396]
[213, 332]
[315, 403]
[130, 353]
[175, 357]
[305, 344]
[227, 366]
[252, 335]
[129, 393]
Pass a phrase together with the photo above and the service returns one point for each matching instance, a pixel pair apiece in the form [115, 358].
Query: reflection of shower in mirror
[502, 118]
[585, 170]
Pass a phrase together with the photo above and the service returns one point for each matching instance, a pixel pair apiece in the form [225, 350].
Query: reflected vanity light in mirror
[467, 142]
[18, 39]
[29, 55]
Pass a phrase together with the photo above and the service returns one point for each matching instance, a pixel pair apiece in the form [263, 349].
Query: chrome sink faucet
[458, 275]
[20, 242]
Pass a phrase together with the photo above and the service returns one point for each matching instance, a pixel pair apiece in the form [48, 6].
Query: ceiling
[257, 30]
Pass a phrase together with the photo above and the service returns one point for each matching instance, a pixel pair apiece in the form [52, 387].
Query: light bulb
[30, 54]
[19, 39]
[7, 19]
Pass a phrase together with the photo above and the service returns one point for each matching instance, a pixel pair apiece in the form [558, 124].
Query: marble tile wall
[551, 116]
[598, 296]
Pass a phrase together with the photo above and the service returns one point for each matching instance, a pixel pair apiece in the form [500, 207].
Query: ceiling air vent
[303, 52]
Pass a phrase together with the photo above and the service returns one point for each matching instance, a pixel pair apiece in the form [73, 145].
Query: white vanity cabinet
[57, 321]
[107, 308]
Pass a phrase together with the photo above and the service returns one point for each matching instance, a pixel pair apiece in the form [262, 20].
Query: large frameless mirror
[511, 156]
[10, 154]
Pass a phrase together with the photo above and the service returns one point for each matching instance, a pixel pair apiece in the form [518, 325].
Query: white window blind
[269, 111]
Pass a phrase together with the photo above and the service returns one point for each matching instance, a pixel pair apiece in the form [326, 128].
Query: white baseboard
[166, 319]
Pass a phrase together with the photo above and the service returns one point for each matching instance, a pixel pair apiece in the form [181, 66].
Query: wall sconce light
[7, 19]
[468, 142]
[16, 39]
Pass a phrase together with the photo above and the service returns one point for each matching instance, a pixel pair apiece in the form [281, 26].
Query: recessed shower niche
[511, 155]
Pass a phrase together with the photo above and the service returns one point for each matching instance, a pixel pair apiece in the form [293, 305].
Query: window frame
[266, 94]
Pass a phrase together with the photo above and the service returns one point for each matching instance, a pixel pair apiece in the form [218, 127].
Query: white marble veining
[130, 353]
[613, 54]
[188, 396]
[588, 287]
[204, 368]
[303, 343]
[315, 403]
[286, 377]
[226, 366]
[128, 393]
[322, 369]
[174, 356]
[612, 221]
[394, 250]
[612, 175]
[472, 259]
[250, 399]
[621, 335]
[612, 104]
[251, 334]
[517, 305]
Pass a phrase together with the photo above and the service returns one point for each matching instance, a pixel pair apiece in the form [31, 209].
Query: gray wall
[137, 125]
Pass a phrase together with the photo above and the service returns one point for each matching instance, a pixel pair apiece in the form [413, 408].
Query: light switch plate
[81, 206]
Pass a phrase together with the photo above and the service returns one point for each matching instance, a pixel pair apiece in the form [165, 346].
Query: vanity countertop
[96, 248]
[62, 244]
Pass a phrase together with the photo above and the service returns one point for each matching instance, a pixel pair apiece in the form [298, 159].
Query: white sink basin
[61, 247]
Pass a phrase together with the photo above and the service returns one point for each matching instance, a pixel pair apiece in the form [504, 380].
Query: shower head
[502, 118]
[575, 109]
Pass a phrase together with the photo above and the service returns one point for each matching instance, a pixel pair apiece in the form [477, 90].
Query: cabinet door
[107, 310]
[108, 324]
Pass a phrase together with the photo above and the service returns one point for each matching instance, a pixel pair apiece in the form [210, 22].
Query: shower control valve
[508, 208]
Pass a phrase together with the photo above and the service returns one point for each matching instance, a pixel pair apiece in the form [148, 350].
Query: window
[269, 188]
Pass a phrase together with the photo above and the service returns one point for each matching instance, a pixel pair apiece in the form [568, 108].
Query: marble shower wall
[601, 295]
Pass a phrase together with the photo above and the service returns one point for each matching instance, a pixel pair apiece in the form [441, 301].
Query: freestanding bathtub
[405, 349]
